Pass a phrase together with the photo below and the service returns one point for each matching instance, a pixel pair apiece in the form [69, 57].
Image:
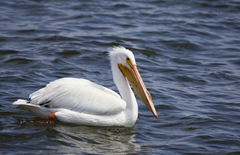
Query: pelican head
[124, 60]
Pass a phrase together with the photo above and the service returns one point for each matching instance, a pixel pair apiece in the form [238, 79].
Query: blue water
[187, 53]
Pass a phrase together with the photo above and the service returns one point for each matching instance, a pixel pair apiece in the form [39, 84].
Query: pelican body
[81, 101]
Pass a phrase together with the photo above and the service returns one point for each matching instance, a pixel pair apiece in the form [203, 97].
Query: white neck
[126, 93]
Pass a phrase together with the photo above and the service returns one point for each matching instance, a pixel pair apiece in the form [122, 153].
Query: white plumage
[81, 101]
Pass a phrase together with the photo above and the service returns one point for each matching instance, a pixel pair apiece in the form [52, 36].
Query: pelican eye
[129, 62]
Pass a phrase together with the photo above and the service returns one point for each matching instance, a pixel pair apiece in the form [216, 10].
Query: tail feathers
[41, 112]
[20, 102]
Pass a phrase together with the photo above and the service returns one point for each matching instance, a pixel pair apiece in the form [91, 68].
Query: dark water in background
[187, 53]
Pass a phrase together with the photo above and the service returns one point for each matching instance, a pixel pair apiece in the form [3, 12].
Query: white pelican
[80, 101]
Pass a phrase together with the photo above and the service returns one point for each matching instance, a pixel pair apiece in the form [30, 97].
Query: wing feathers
[79, 95]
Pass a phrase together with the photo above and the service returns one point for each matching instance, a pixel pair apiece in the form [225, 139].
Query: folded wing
[78, 95]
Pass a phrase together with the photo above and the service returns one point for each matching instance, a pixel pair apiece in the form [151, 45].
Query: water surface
[186, 51]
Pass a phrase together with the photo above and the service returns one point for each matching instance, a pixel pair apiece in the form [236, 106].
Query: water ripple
[187, 54]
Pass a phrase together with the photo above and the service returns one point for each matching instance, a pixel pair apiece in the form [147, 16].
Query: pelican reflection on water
[81, 101]
[94, 140]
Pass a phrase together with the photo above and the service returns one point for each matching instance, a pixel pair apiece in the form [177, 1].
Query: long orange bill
[136, 81]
